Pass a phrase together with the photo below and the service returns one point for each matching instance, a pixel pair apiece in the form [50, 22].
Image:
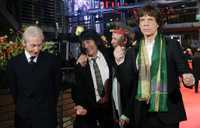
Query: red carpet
[192, 106]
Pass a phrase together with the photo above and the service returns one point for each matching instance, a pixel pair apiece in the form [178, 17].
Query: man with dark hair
[159, 63]
[92, 92]
[122, 89]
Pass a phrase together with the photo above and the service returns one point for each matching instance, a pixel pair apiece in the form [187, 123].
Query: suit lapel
[89, 82]
[40, 58]
[25, 69]
[23, 57]
[24, 62]
[41, 62]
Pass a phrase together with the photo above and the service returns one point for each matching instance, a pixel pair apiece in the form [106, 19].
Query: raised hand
[82, 60]
[119, 54]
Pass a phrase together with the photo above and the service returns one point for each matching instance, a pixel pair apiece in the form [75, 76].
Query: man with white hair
[33, 78]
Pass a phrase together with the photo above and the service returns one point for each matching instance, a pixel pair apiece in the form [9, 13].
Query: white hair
[33, 31]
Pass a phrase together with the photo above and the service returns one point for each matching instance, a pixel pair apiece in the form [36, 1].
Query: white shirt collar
[28, 56]
[99, 54]
[150, 43]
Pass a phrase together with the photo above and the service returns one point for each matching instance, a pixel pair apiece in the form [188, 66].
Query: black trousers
[152, 121]
[196, 84]
[146, 119]
[98, 117]
[22, 122]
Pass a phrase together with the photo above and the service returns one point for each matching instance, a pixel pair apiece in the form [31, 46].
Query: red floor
[192, 106]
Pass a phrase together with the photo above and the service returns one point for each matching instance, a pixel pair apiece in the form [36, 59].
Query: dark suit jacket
[35, 88]
[127, 76]
[176, 66]
[83, 93]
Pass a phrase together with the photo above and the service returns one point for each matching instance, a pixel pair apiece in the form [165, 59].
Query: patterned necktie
[100, 87]
[32, 60]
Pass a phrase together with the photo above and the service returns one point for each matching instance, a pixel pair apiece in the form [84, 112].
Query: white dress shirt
[149, 47]
[104, 71]
[28, 57]
[116, 95]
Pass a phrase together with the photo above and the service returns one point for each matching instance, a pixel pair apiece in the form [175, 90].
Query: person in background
[188, 56]
[196, 68]
[159, 62]
[92, 94]
[34, 78]
[123, 88]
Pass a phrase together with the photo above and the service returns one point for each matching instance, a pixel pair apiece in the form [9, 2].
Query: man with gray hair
[34, 78]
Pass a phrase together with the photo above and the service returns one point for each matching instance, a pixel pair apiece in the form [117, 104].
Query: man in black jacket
[123, 92]
[92, 94]
[34, 78]
[159, 63]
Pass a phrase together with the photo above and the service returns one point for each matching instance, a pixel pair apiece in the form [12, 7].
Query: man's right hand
[119, 54]
[123, 121]
[81, 111]
[82, 60]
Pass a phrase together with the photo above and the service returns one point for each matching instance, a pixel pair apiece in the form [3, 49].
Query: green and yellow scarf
[152, 84]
